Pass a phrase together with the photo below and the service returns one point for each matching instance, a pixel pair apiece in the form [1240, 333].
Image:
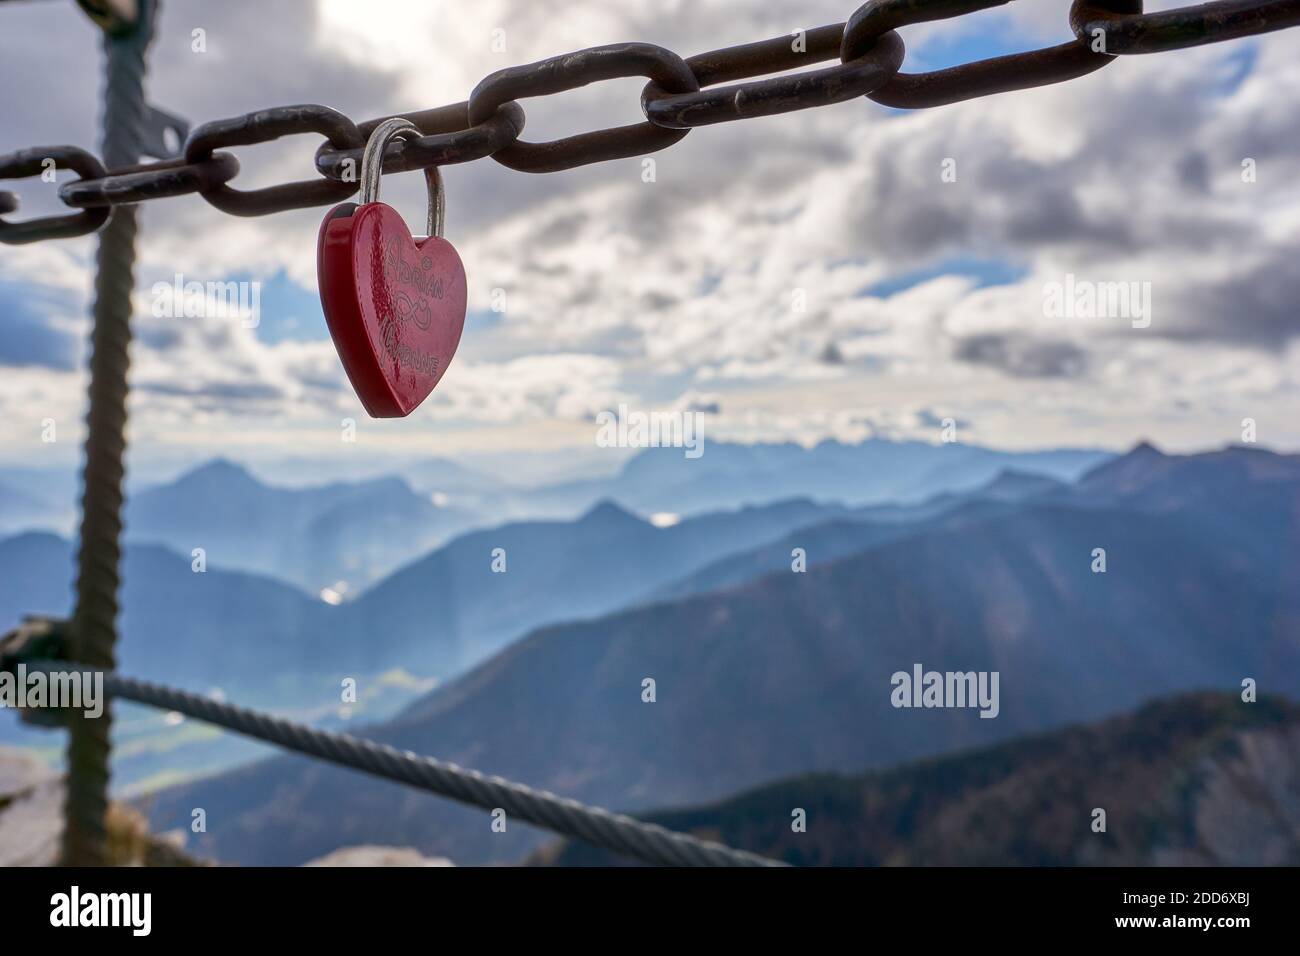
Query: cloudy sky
[923, 299]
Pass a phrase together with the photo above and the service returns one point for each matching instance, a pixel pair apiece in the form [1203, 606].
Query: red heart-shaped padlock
[395, 305]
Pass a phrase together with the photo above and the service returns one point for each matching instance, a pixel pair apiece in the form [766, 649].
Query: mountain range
[345, 536]
[875, 471]
[314, 536]
[790, 673]
[439, 614]
[465, 601]
[1194, 780]
[266, 643]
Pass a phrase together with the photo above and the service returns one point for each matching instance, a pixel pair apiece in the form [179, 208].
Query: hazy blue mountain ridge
[790, 673]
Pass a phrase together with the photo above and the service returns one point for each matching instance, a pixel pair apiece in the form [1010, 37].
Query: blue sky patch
[289, 312]
[981, 38]
[27, 336]
[985, 272]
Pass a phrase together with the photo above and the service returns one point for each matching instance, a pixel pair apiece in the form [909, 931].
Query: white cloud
[620, 289]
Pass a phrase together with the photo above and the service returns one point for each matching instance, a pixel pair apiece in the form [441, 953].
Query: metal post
[94, 621]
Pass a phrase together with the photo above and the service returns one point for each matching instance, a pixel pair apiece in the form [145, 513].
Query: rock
[31, 804]
[378, 856]
[31, 821]
[31, 824]
[20, 772]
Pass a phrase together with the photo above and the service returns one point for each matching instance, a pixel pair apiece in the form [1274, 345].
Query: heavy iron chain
[681, 94]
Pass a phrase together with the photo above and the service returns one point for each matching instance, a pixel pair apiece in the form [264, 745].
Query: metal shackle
[372, 168]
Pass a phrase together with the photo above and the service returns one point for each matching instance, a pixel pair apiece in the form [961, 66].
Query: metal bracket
[121, 19]
[112, 16]
[37, 638]
[153, 137]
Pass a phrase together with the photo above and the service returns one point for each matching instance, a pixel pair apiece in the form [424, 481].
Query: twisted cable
[94, 619]
[599, 827]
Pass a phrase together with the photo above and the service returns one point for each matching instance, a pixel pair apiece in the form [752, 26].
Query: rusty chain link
[680, 95]
[35, 162]
[1002, 74]
[859, 74]
[567, 72]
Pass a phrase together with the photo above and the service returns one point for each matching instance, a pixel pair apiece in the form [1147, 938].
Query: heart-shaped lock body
[395, 305]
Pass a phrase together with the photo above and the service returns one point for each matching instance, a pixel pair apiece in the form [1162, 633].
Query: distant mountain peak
[219, 469]
[1134, 467]
[394, 485]
[1012, 483]
[33, 539]
[608, 512]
